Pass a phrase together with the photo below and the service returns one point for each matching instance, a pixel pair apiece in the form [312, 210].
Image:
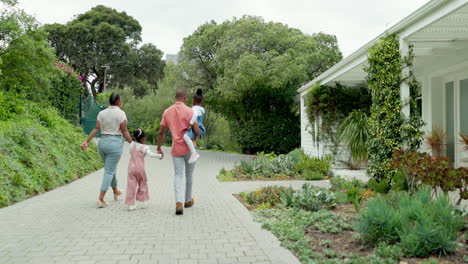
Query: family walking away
[185, 125]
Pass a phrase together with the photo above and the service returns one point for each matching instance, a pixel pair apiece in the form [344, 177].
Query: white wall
[318, 149]
[307, 143]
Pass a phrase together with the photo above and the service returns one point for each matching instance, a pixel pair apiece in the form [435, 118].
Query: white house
[438, 32]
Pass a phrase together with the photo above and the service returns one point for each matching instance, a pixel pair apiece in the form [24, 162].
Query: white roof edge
[410, 19]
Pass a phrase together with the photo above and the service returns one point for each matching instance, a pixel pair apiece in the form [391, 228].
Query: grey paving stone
[64, 225]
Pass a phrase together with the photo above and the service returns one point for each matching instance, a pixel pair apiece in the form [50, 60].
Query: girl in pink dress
[137, 182]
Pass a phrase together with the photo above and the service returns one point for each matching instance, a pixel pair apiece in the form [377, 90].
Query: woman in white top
[113, 125]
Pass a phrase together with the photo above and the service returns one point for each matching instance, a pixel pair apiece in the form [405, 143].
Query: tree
[143, 69]
[26, 60]
[146, 112]
[251, 70]
[106, 37]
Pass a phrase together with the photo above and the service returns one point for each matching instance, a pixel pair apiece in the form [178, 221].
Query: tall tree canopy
[105, 37]
[26, 59]
[252, 70]
[29, 67]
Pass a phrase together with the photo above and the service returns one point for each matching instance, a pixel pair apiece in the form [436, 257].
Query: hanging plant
[332, 104]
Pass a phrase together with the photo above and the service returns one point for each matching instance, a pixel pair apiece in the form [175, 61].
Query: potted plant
[436, 140]
[354, 132]
[464, 140]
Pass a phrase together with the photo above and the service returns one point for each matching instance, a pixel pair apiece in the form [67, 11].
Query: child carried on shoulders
[198, 115]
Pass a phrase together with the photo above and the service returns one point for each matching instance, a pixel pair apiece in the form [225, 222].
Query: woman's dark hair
[138, 135]
[114, 98]
[198, 96]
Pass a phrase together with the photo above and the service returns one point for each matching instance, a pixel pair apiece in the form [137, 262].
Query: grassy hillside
[39, 150]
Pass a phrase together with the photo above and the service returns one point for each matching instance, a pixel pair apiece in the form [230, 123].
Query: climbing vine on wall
[389, 129]
[332, 104]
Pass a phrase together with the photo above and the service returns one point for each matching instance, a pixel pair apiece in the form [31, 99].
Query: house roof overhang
[438, 25]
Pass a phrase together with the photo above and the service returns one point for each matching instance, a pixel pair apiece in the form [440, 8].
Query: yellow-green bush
[39, 150]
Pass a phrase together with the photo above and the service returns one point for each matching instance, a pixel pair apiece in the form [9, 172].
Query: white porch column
[404, 87]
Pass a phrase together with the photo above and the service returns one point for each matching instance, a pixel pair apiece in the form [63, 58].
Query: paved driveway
[64, 225]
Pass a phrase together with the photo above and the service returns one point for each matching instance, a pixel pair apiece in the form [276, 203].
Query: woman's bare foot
[117, 194]
[102, 204]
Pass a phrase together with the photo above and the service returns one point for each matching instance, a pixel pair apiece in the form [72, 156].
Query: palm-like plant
[354, 132]
[464, 140]
[436, 139]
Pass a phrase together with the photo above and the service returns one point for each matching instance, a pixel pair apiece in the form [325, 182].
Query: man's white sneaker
[131, 207]
[194, 157]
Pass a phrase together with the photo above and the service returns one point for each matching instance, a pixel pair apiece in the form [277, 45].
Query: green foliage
[310, 198]
[354, 196]
[389, 130]
[421, 225]
[418, 168]
[251, 70]
[263, 167]
[354, 132]
[270, 166]
[313, 176]
[66, 89]
[339, 183]
[290, 226]
[266, 195]
[26, 59]
[379, 222]
[296, 155]
[386, 251]
[332, 104]
[103, 36]
[432, 261]
[382, 186]
[38, 150]
[316, 165]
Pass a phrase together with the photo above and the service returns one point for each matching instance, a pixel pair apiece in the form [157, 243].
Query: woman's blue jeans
[110, 149]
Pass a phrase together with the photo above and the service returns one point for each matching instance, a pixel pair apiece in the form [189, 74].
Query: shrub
[39, 151]
[270, 155]
[339, 183]
[313, 176]
[354, 132]
[268, 167]
[266, 195]
[379, 222]
[354, 196]
[380, 186]
[310, 198]
[437, 173]
[296, 155]
[320, 165]
[422, 226]
[386, 251]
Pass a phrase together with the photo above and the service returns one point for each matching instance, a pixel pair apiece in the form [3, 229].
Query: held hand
[84, 145]
[160, 152]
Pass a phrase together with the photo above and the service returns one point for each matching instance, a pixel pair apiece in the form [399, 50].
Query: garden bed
[329, 234]
[270, 167]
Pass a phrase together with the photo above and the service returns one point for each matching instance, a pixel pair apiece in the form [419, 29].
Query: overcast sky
[166, 22]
